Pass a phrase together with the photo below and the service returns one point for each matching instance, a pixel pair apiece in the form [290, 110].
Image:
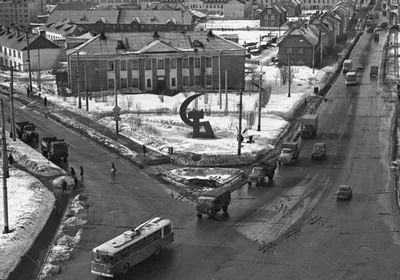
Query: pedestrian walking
[64, 187]
[55, 207]
[76, 183]
[81, 171]
[28, 91]
[45, 102]
[10, 159]
[144, 149]
[72, 171]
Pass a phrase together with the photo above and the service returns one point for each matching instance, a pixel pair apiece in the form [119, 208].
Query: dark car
[394, 27]
[319, 151]
[344, 192]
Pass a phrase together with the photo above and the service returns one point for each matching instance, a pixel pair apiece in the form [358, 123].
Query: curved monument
[195, 115]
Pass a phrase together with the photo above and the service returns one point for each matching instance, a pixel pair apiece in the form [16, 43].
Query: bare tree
[284, 73]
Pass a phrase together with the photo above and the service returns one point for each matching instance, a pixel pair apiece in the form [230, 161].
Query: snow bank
[30, 205]
[32, 160]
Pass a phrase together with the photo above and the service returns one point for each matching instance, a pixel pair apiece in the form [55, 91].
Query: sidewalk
[152, 157]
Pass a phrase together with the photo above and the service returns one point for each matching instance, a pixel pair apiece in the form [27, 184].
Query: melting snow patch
[78, 204]
[74, 221]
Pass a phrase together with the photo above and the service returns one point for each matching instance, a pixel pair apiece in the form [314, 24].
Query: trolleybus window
[167, 230]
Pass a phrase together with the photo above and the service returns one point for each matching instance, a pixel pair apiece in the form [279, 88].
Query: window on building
[135, 82]
[110, 83]
[272, 17]
[197, 80]
[160, 64]
[300, 50]
[265, 17]
[208, 80]
[173, 63]
[135, 64]
[124, 82]
[123, 65]
[208, 61]
[110, 65]
[148, 64]
[14, 54]
[197, 62]
[9, 52]
[148, 84]
[269, 11]
[288, 50]
[185, 80]
[185, 62]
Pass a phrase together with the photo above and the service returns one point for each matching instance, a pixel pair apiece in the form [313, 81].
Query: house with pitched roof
[345, 15]
[14, 50]
[273, 15]
[59, 30]
[300, 45]
[293, 7]
[123, 20]
[74, 6]
[166, 62]
[167, 7]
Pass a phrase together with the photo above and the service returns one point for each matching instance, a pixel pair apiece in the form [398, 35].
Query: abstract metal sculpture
[195, 115]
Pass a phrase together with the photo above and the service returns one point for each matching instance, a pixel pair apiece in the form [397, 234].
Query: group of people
[76, 182]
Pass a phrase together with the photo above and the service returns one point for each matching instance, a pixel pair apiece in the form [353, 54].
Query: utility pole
[116, 105]
[29, 62]
[259, 103]
[12, 104]
[78, 81]
[313, 59]
[289, 78]
[240, 123]
[219, 80]
[226, 91]
[5, 169]
[320, 47]
[86, 88]
[39, 81]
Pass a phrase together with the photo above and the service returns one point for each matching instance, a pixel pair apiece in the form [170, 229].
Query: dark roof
[63, 28]
[76, 5]
[309, 32]
[277, 7]
[13, 41]
[84, 17]
[144, 42]
[167, 7]
[155, 17]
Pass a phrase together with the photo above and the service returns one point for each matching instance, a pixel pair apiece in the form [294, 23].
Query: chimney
[43, 33]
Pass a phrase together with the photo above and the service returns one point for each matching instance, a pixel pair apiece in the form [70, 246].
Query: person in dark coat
[28, 91]
[10, 159]
[55, 207]
[64, 186]
[113, 169]
[72, 172]
[81, 171]
[144, 149]
[45, 102]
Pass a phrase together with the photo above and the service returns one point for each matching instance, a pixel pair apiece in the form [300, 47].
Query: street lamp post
[289, 78]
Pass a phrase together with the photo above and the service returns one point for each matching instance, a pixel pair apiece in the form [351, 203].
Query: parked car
[344, 192]
[360, 67]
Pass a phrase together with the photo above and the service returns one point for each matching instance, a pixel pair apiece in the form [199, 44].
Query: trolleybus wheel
[158, 250]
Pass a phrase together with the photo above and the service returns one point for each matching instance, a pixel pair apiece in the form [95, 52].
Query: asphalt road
[355, 239]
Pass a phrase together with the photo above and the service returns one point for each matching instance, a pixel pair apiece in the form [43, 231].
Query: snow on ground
[30, 204]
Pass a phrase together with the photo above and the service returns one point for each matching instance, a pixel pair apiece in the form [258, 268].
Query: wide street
[355, 239]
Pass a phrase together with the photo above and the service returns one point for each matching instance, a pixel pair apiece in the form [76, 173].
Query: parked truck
[376, 37]
[213, 201]
[26, 131]
[309, 126]
[54, 148]
[289, 153]
[347, 65]
[351, 78]
[374, 71]
[262, 170]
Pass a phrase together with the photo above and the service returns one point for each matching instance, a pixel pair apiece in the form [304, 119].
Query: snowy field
[30, 204]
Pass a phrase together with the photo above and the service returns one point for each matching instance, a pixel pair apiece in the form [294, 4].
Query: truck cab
[351, 78]
[259, 172]
[376, 37]
[319, 151]
[213, 201]
[374, 71]
[289, 153]
[309, 126]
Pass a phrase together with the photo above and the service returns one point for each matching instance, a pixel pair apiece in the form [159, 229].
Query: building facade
[20, 13]
[273, 15]
[44, 54]
[237, 9]
[156, 62]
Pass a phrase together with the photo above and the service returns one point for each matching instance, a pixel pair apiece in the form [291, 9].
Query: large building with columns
[163, 62]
